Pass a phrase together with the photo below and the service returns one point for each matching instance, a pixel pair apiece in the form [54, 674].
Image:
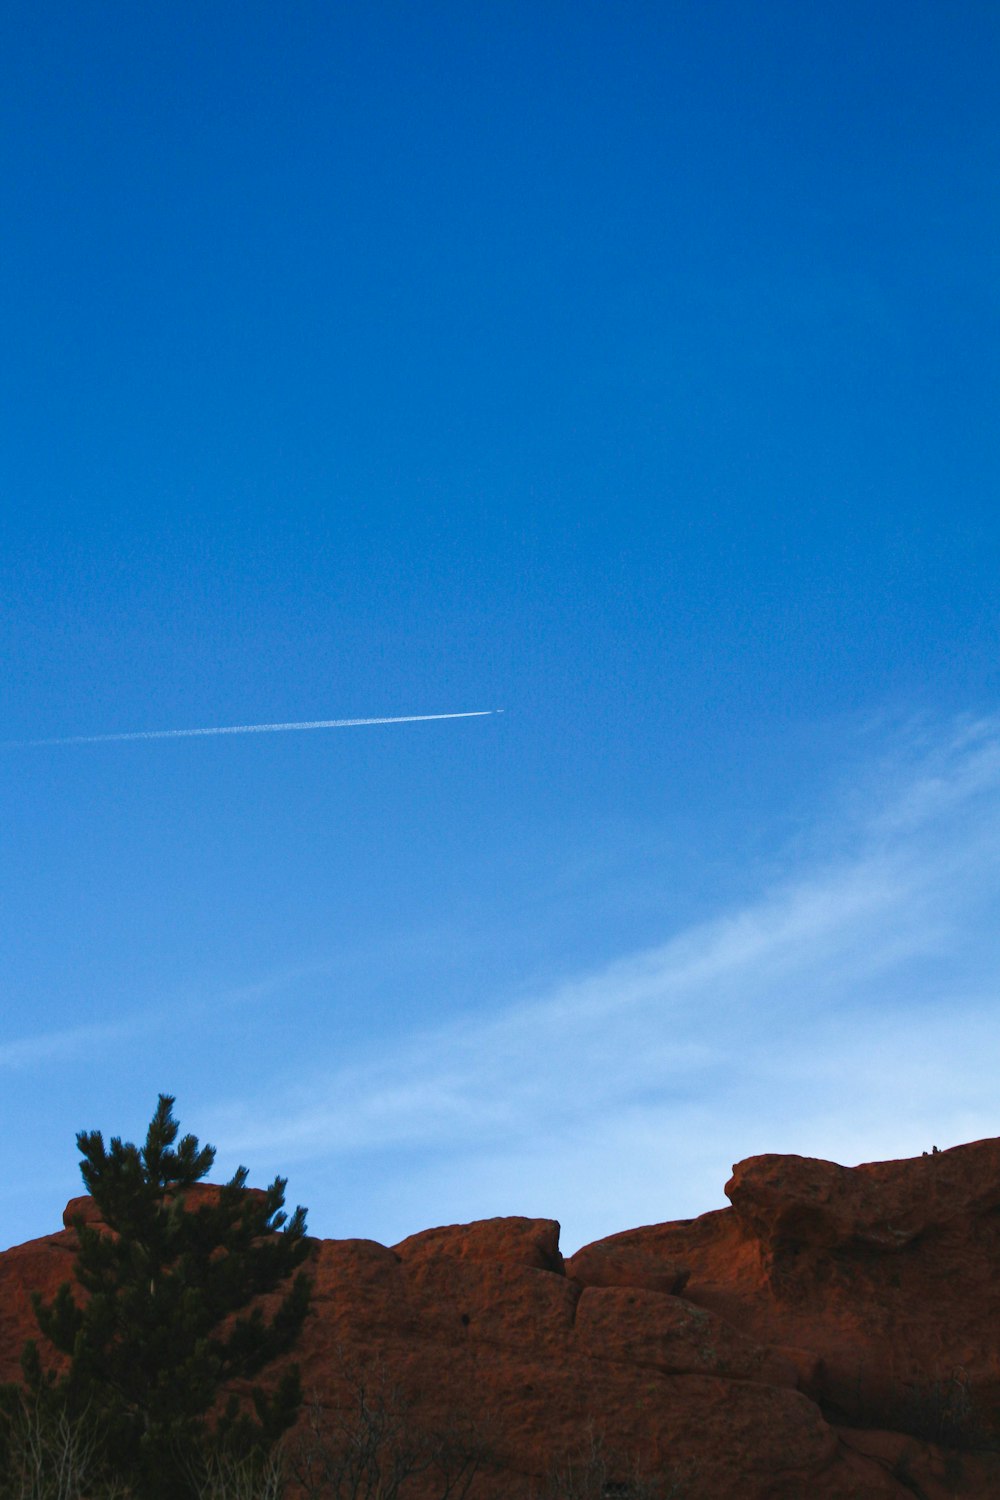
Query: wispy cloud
[69, 1044]
[850, 1010]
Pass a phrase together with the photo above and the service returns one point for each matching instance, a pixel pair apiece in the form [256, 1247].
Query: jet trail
[185, 734]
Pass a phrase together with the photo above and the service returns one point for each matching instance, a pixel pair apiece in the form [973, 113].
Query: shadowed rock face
[833, 1334]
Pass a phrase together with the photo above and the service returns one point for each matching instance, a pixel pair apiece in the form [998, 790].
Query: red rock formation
[810, 1341]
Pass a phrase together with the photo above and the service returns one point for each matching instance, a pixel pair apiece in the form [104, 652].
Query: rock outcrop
[830, 1336]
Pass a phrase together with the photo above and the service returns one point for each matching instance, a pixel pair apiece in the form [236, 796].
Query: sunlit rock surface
[833, 1334]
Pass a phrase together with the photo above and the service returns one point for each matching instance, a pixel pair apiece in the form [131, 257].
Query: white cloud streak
[852, 1011]
[68, 1045]
[186, 734]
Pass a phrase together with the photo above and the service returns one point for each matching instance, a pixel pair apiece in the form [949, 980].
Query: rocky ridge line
[830, 1336]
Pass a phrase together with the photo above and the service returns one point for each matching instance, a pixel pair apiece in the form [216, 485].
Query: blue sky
[632, 368]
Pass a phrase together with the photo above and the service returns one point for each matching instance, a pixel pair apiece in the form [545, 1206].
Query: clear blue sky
[633, 368]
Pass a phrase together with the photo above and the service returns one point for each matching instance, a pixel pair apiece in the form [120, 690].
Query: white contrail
[184, 734]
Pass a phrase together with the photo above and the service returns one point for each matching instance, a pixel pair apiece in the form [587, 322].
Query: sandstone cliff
[833, 1334]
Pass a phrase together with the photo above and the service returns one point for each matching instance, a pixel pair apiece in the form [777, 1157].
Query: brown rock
[596, 1265]
[40, 1265]
[85, 1210]
[637, 1327]
[522, 1242]
[831, 1336]
[81, 1210]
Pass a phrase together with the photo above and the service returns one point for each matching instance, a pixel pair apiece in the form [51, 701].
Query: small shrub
[50, 1455]
[371, 1447]
[224, 1475]
[595, 1474]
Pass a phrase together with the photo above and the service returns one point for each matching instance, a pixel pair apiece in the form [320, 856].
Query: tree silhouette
[169, 1314]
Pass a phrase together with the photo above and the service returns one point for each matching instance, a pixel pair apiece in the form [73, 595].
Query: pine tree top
[170, 1312]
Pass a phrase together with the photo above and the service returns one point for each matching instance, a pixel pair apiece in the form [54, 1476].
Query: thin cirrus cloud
[849, 1011]
[67, 1045]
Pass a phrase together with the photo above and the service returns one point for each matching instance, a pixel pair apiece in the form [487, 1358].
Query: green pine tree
[169, 1314]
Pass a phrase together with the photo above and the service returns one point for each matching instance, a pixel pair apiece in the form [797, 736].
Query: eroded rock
[831, 1336]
